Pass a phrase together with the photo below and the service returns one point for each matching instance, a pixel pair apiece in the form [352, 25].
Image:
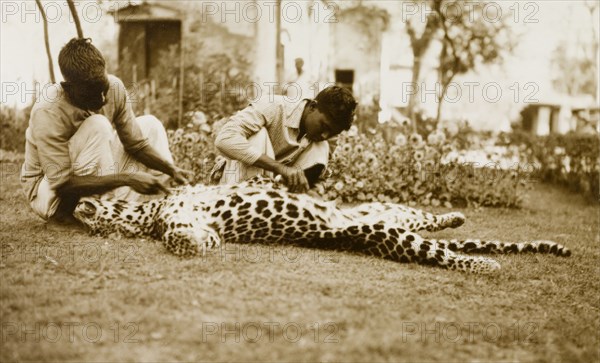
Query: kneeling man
[286, 138]
[83, 139]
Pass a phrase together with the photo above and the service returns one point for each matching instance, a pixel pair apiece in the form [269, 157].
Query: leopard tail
[499, 247]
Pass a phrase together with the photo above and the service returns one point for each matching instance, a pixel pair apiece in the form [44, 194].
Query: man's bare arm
[81, 186]
[150, 158]
[294, 177]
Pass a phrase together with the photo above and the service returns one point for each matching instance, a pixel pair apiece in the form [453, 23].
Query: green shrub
[572, 160]
[413, 170]
[194, 150]
[216, 84]
[13, 123]
[366, 167]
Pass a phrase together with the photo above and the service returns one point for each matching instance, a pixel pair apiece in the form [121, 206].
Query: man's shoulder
[270, 101]
[116, 83]
[50, 97]
[271, 106]
[51, 104]
[279, 102]
[114, 79]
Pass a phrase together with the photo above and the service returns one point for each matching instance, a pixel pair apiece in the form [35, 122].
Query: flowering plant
[572, 160]
[414, 169]
[406, 168]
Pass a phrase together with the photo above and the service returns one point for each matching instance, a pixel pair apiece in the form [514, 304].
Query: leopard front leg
[398, 244]
[190, 240]
[184, 233]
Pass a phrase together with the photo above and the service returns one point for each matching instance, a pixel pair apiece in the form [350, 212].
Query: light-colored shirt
[281, 118]
[54, 121]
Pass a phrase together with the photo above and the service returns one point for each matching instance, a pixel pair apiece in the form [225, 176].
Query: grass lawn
[68, 296]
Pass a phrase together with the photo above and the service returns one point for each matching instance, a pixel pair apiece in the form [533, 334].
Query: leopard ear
[86, 207]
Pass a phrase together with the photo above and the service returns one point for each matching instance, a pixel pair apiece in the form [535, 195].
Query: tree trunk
[73, 11]
[441, 100]
[47, 41]
[278, 49]
[412, 100]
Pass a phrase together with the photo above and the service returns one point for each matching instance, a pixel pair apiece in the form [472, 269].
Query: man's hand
[295, 179]
[145, 183]
[182, 176]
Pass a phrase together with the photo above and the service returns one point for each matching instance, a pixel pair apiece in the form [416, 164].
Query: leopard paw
[454, 220]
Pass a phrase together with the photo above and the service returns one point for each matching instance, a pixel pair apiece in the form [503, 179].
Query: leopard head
[105, 216]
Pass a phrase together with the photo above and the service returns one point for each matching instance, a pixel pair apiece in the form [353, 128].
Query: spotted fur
[195, 219]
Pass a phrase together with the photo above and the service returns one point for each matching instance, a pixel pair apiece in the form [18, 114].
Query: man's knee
[149, 124]
[154, 130]
[96, 125]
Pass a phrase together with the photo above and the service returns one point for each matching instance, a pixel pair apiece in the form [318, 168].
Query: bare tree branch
[47, 41]
[73, 11]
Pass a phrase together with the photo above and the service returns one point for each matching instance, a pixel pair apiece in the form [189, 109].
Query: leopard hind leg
[409, 218]
[190, 241]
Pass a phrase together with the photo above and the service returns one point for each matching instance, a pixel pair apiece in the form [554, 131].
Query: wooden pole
[75, 18]
[181, 79]
[278, 49]
[47, 41]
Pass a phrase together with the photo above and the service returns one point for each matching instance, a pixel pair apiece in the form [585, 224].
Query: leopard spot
[469, 246]
[279, 205]
[273, 194]
[260, 205]
[390, 245]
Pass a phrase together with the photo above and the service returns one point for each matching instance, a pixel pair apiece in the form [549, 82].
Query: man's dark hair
[80, 61]
[338, 104]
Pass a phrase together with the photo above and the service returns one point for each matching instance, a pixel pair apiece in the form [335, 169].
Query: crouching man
[276, 136]
[83, 139]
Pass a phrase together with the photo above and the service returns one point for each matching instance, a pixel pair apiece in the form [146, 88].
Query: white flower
[452, 129]
[339, 186]
[353, 131]
[436, 138]
[206, 128]
[371, 160]
[419, 155]
[360, 184]
[400, 140]
[415, 139]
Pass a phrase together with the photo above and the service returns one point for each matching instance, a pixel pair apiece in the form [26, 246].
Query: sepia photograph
[299, 181]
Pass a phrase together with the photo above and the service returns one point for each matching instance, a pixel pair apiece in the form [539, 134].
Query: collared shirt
[281, 118]
[54, 121]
